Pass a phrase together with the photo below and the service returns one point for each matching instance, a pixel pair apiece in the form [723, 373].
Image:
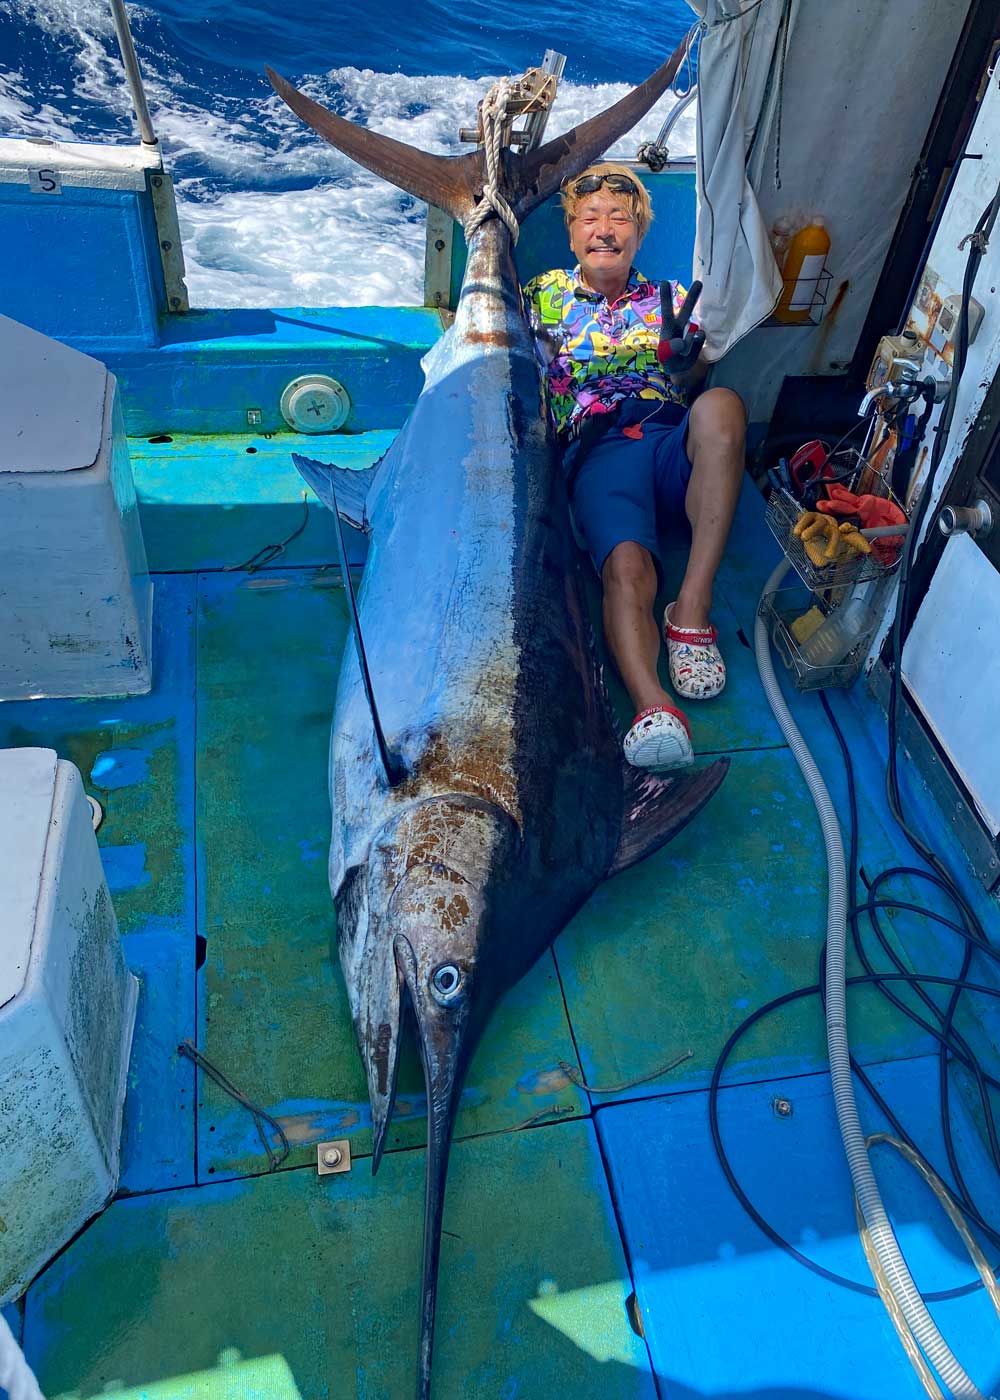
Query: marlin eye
[446, 979]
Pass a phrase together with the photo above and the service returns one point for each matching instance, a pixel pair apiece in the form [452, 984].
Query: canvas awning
[740, 68]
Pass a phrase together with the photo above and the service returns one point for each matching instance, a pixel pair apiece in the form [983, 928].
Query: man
[635, 455]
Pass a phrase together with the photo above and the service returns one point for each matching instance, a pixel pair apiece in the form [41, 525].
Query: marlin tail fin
[450, 182]
[455, 183]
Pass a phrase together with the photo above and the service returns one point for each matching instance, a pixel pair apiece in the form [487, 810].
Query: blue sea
[269, 214]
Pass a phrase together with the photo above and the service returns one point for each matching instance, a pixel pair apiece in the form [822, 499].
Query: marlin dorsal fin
[656, 807]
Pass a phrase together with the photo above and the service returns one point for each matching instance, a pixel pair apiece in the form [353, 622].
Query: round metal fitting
[332, 1157]
[975, 519]
[782, 1107]
[315, 403]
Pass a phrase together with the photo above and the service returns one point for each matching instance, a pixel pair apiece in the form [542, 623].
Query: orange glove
[872, 511]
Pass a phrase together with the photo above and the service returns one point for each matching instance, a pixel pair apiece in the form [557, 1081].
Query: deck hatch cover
[51, 403]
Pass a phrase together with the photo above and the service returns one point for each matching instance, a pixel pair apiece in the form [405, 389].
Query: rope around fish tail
[494, 115]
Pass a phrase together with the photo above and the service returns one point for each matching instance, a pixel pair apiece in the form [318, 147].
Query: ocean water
[270, 215]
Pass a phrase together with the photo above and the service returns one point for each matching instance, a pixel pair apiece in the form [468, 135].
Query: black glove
[680, 338]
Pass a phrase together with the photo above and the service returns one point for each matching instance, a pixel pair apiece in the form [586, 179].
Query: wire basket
[781, 515]
[814, 294]
[779, 610]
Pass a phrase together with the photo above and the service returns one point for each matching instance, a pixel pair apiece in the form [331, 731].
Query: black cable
[269, 552]
[261, 1118]
[713, 1114]
[952, 1046]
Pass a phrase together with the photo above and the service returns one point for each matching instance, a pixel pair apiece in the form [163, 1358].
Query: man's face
[603, 236]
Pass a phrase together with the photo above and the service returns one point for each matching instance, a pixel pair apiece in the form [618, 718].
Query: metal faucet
[907, 386]
[884, 391]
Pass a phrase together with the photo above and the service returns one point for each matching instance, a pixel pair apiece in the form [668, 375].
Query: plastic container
[802, 271]
[783, 611]
[845, 627]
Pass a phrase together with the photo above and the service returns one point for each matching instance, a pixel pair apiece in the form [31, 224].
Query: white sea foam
[355, 240]
[342, 237]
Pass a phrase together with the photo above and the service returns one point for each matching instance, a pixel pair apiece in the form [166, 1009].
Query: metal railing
[133, 74]
[656, 153]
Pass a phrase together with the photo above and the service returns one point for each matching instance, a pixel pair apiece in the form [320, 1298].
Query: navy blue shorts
[630, 488]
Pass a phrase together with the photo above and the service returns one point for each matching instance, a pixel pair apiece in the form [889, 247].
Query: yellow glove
[854, 539]
[814, 532]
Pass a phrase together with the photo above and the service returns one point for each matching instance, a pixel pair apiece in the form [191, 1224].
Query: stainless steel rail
[553, 63]
[656, 153]
[132, 73]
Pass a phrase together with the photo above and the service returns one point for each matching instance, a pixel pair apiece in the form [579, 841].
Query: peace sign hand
[680, 338]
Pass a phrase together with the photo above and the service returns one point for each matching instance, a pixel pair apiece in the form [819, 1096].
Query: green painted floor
[215, 843]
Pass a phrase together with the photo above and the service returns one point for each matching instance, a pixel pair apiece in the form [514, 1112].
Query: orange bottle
[803, 267]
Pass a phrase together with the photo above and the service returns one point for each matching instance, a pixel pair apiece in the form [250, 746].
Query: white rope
[15, 1374]
[494, 116]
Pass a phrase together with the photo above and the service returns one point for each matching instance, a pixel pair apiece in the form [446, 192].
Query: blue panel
[15, 1319]
[215, 365]
[88, 267]
[210, 502]
[324, 1273]
[666, 251]
[729, 1315]
[136, 755]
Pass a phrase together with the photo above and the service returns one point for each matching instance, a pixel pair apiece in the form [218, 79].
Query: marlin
[476, 777]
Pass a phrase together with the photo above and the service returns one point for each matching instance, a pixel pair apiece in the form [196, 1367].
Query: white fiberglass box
[67, 1009]
[75, 592]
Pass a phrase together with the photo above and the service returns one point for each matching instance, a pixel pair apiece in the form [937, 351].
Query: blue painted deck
[214, 845]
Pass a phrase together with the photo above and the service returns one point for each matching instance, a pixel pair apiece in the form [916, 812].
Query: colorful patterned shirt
[602, 353]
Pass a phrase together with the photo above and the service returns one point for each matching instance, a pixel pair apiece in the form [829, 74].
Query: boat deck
[214, 842]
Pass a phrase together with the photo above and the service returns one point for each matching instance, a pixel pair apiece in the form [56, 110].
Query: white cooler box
[67, 1009]
[75, 593]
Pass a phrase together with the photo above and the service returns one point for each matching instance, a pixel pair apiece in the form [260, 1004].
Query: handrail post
[132, 73]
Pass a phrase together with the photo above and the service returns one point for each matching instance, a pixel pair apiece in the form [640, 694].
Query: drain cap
[315, 403]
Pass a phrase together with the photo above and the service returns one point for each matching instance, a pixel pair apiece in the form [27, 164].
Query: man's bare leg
[629, 579]
[715, 445]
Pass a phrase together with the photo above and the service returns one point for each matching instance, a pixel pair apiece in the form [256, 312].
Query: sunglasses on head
[617, 184]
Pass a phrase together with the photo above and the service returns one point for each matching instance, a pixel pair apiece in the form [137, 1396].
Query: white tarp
[739, 87]
[857, 92]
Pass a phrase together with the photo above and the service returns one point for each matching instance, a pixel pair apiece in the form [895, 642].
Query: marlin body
[477, 783]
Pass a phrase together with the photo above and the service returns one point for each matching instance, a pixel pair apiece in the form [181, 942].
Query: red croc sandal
[659, 738]
[697, 670]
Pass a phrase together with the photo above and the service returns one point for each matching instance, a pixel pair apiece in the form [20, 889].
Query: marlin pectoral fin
[347, 497]
[656, 808]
